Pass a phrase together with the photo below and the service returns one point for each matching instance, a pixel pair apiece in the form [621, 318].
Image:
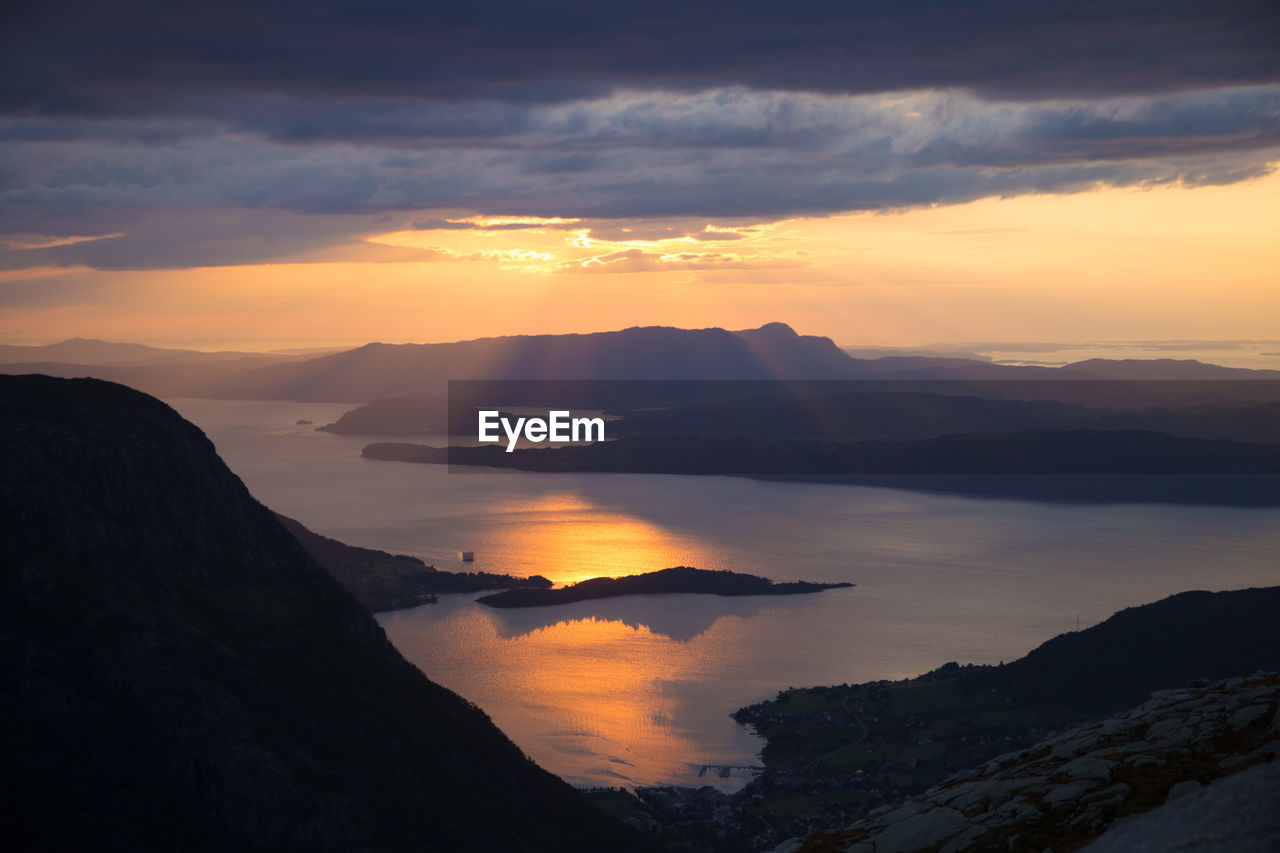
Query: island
[681, 579]
[1081, 451]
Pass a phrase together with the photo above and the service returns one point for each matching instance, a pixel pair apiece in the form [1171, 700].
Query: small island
[681, 579]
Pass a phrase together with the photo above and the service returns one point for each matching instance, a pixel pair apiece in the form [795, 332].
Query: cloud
[232, 187]
[200, 238]
[495, 223]
[642, 260]
[147, 57]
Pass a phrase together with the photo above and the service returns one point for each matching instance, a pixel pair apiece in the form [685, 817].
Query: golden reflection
[597, 698]
[573, 538]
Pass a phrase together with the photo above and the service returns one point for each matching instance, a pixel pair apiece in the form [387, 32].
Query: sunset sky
[311, 174]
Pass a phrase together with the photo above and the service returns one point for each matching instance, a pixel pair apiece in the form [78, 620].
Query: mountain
[1091, 781]
[379, 370]
[98, 353]
[656, 352]
[90, 351]
[180, 674]
[1140, 649]
[972, 738]
[1164, 368]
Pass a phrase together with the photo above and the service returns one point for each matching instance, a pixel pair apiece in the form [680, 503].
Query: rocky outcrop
[1066, 791]
[1237, 812]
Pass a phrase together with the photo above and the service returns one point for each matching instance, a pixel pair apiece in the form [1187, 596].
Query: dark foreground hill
[178, 673]
[855, 750]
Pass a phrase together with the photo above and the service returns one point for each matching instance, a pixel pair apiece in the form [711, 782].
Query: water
[636, 691]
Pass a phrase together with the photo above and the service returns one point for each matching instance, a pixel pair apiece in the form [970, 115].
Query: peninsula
[681, 579]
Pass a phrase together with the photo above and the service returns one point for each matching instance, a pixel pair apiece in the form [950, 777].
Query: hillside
[852, 750]
[1071, 788]
[180, 674]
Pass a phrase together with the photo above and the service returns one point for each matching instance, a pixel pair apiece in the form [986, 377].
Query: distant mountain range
[91, 351]
[377, 370]
[179, 674]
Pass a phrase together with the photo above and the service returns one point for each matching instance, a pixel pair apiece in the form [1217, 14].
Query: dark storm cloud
[713, 154]
[135, 57]
[242, 132]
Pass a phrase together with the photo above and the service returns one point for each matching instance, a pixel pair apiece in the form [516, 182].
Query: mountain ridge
[378, 370]
[181, 674]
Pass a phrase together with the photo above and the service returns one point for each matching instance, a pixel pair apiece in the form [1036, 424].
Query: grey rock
[964, 840]
[1236, 813]
[921, 830]
[903, 812]
[1108, 796]
[943, 796]
[1269, 750]
[1116, 727]
[1089, 767]
[1181, 789]
[1247, 716]
[1078, 743]
[1017, 810]
[1171, 732]
[1067, 793]
[1144, 759]
[999, 790]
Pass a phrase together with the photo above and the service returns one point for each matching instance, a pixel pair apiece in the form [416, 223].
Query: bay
[637, 691]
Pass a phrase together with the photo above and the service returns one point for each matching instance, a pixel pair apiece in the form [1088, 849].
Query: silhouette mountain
[180, 674]
[1117, 662]
[94, 352]
[378, 370]
[396, 370]
[1042, 452]
[1164, 368]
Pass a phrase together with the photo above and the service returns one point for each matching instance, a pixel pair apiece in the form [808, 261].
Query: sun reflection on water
[595, 698]
[575, 539]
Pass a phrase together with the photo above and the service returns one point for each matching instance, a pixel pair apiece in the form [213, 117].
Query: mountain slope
[180, 674]
[655, 352]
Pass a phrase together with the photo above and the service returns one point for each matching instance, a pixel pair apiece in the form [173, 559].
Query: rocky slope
[178, 673]
[1069, 789]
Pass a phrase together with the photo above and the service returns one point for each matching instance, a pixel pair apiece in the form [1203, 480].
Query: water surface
[636, 691]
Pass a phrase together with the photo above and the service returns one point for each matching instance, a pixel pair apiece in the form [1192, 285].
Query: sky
[262, 175]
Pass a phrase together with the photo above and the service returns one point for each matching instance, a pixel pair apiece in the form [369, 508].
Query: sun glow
[574, 537]
[1166, 262]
